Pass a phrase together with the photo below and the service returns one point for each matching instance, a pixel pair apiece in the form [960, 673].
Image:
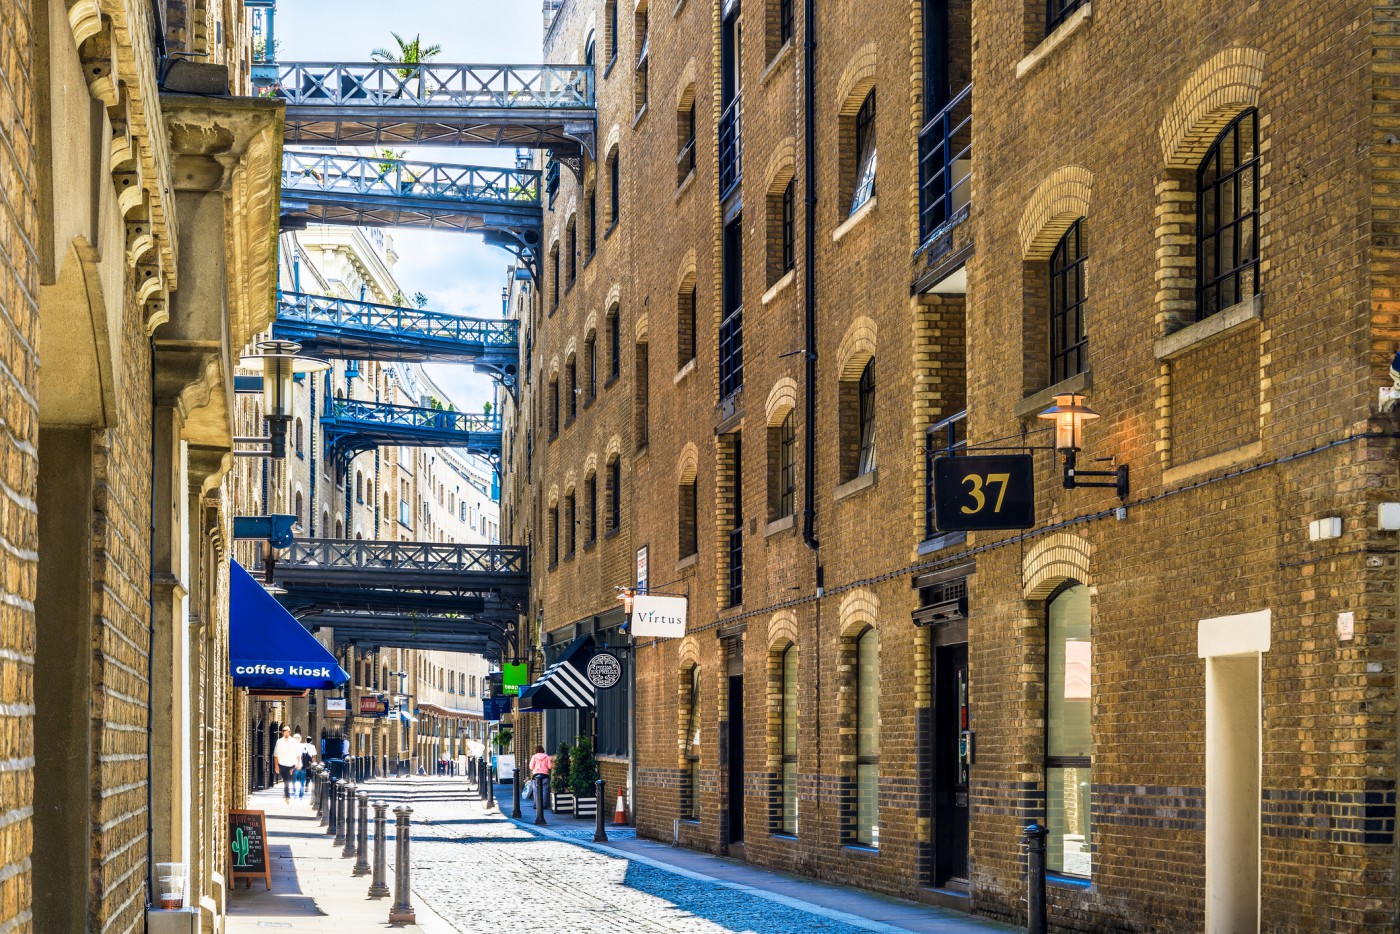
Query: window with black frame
[867, 790]
[1068, 732]
[782, 468]
[614, 494]
[571, 389]
[614, 343]
[784, 22]
[553, 535]
[866, 462]
[789, 234]
[1227, 218]
[590, 509]
[614, 188]
[610, 12]
[1057, 11]
[1068, 338]
[570, 524]
[788, 809]
[865, 153]
[590, 220]
[590, 362]
[690, 791]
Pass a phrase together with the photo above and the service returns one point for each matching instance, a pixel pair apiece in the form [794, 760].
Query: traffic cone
[620, 815]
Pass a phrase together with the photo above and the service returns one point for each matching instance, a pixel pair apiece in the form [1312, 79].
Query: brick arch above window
[611, 142]
[782, 164]
[856, 349]
[689, 654]
[860, 610]
[571, 348]
[857, 78]
[590, 464]
[553, 498]
[685, 86]
[782, 399]
[614, 298]
[688, 464]
[1052, 561]
[614, 448]
[643, 326]
[1060, 199]
[782, 631]
[570, 481]
[590, 326]
[554, 367]
[1216, 92]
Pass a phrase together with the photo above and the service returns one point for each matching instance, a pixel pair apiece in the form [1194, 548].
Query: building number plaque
[977, 493]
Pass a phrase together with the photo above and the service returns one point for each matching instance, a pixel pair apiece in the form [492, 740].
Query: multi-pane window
[867, 810]
[1057, 11]
[866, 414]
[1068, 340]
[736, 520]
[865, 153]
[614, 344]
[789, 238]
[570, 523]
[590, 509]
[789, 741]
[688, 524]
[643, 51]
[778, 247]
[614, 187]
[690, 792]
[642, 394]
[1227, 218]
[571, 389]
[1068, 733]
[553, 535]
[614, 494]
[731, 327]
[685, 325]
[782, 468]
[590, 362]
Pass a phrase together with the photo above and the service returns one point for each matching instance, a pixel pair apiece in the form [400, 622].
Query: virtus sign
[661, 617]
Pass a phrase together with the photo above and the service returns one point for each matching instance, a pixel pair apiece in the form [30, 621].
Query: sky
[458, 273]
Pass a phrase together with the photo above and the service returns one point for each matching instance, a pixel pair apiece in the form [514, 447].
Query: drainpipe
[809, 328]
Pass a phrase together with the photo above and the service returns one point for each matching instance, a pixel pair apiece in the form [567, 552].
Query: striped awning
[564, 684]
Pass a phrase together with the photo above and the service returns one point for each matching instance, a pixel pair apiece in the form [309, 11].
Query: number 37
[978, 484]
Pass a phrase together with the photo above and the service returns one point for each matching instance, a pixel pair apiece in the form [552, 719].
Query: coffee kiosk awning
[268, 648]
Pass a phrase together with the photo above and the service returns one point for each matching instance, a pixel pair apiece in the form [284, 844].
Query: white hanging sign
[659, 617]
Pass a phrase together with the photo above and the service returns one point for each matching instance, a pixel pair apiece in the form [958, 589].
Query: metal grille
[417, 556]
[1227, 218]
[305, 171]
[398, 85]
[945, 152]
[1068, 339]
[736, 566]
[731, 328]
[736, 531]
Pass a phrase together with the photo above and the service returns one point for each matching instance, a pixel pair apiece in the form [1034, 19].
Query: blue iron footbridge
[353, 425]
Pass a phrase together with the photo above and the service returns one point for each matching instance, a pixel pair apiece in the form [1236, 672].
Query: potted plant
[582, 778]
[559, 780]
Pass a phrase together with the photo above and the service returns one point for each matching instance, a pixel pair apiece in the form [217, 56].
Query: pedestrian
[308, 757]
[287, 753]
[442, 763]
[540, 764]
[299, 772]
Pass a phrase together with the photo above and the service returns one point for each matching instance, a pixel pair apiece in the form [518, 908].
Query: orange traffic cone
[620, 815]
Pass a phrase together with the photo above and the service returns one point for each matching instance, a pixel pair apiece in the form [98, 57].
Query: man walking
[287, 752]
[308, 756]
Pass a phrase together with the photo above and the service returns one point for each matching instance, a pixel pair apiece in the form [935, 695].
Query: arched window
[571, 388]
[590, 365]
[571, 248]
[610, 38]
[1068, 340]
[614, 342]
[789, 740]
[359, 487]
[690, 792]
[867, 810]
[1227, 218]
[301, 518]
[590, 50]
[300, 438]
[1068, 732]
[642, 395]
[782, 468]
[553, 535]
[685, 136]
[590, 509]
[639, 36]
[339, 529]
[867, 419]
[865, 154]
[614, 494]
[688, 524]
[570, 523]
[553, 405]
[554, 277]
[778, 246]
[614, 187]
[856, 422]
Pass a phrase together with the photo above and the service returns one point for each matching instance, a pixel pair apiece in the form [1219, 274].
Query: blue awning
[407, 717]
[268, 648]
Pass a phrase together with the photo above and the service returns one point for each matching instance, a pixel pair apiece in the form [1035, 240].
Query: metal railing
[731, 146]
[399, 85]
[377, 175]
[412, 416]
[945, 154]
[940, 440]
[301, 307]
[736, 566]
[731, 353]
[408, 556]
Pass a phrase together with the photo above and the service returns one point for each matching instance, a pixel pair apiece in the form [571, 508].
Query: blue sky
[457, 272]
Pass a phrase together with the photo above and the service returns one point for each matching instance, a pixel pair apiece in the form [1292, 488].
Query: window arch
[1068, 731]
[1227, 217]
[1068, 336]
[590, 49]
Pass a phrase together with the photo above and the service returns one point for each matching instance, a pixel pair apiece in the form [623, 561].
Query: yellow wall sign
[977, 493]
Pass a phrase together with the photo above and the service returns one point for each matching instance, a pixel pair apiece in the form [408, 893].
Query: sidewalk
[312, 888]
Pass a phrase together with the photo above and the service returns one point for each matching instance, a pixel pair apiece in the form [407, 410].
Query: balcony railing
[305, 171]
[945, 164]
[410, 416]
[398, 85]
[406, 556]
[731, 353]
[736, 566]
[731, 147]
[343, 313]
[939, 440]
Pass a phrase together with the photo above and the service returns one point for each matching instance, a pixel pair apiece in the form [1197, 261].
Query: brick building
[141, 194]
[1181, 218]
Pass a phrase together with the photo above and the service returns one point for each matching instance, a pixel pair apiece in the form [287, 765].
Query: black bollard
[599, 834]
[515, 795]
[490, 786]
[481, 778]
[402, 910]
[540, 784]
[362, 838]
[318, 800]
[349, 820]
[377, 886]
[1034, 839]
[332, 797]
[339, 815]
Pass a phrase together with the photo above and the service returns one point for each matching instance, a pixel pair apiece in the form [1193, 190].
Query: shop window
[1068, 733]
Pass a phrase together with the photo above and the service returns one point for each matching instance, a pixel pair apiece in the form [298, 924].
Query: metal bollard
[349, 819]
[362, 839]
[515, 795]
[490, 786]
[338, 815]
[332, 793]
[377, 886]
[402, 910]
[1034, 839]
[481, 778]
[599, 834]
[540, 792]
[318, 798]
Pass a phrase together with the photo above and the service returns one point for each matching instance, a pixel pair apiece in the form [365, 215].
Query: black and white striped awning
[564, 684]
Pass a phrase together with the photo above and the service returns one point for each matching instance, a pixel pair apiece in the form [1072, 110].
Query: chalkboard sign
[247, 836]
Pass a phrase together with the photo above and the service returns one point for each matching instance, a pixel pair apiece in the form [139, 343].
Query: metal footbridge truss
[376, 104]
[373, 191]
[352, 426]
[407, 594]
[341, 329]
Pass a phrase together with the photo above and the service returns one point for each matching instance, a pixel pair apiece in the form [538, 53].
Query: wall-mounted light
[279, 363]
[1069, 413]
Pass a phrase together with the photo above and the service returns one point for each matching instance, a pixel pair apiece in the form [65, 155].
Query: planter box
[563, 804]
[585, 807]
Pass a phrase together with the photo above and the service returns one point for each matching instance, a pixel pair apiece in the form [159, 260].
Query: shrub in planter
[584, 771]
[559, 779]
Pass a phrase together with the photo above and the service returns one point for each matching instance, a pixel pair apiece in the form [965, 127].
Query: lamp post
[279, 363]
[1069, 413]
[628, 597]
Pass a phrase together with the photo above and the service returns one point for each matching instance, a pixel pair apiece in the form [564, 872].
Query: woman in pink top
[540, 763]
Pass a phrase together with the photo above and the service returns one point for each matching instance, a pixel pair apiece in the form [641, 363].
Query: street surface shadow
[286, 897]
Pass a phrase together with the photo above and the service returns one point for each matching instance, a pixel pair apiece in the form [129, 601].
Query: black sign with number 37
[978, 493]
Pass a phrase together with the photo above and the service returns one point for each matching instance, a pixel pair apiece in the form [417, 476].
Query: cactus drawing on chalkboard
[240, 847]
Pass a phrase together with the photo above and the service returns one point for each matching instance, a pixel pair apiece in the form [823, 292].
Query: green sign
[514, 677]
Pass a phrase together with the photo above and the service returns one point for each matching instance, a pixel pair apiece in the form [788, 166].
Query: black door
[953, 751]
[736, 759]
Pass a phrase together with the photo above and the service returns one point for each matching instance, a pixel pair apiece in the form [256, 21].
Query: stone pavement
[476, 872]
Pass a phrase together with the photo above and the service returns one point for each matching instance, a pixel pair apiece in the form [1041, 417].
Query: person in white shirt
[287, 753]
[308, 756]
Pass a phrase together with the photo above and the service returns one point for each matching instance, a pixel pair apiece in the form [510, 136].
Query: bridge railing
[345, 313]
[397, 85]
[369, 175]
[412, 416]
[407, 556]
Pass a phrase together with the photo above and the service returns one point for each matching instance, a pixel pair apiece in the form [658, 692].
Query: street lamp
[1069, 413]
[279, 363]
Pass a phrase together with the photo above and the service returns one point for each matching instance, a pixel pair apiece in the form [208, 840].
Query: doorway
[734, 832]
[952, 766]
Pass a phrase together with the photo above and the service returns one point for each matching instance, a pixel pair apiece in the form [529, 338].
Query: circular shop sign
[604, 670]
